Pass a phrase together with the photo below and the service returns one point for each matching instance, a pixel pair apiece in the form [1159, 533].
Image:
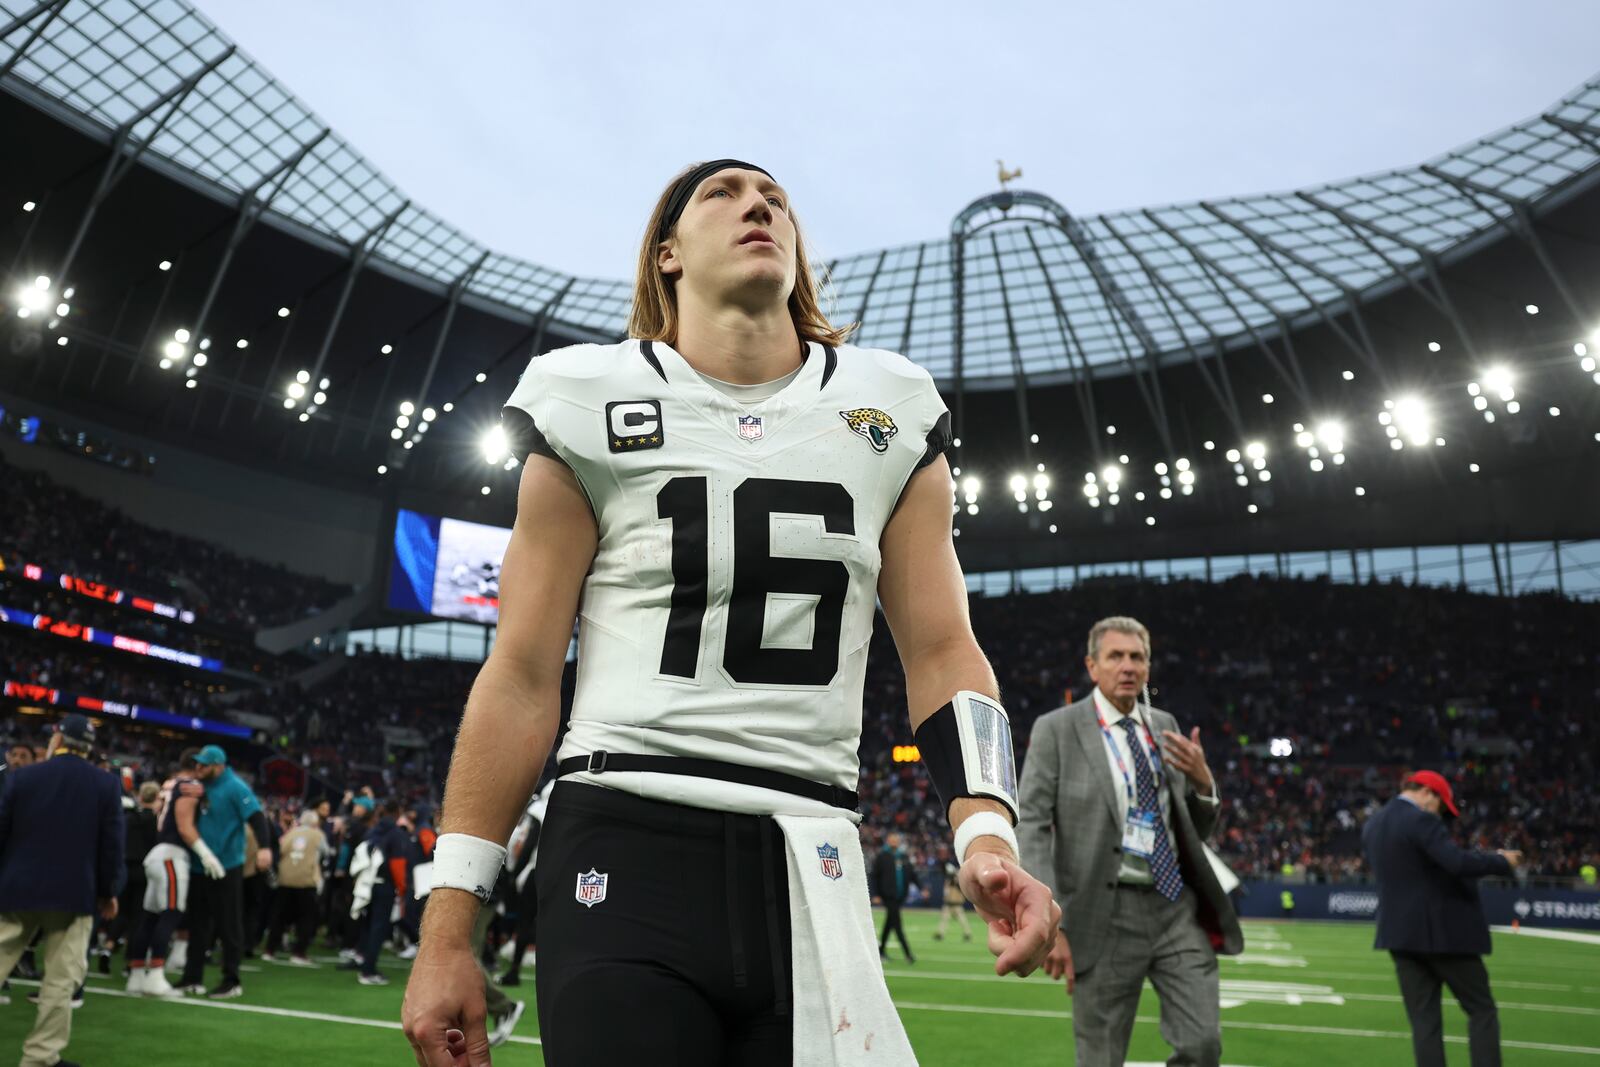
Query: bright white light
[61, 342]
[1090, 489]
[396, 433]
[1281, 746]
[1252, 509]
[485, 490]
[1555, 412]
[972, 509]
[1111, 430]
[33, 299]
[482, 377]
[1304, 438]
[1513, 407]
[383, 468]
[1266, 398]
[1034, 438]
[1166, 494]
[1149, 520]
[1498, 379]
[956, 441]
[319, 397]
[205, 343]
[1188, 490]
[1052, 527]
[1265, 476]
[401, 421]
[1161, 468]
[1183, 464]
[1255, 450]
[1018, 483]
[1331, 434]
[1241, 481]
[200, 359]
[302, 377]
[1094, 502]
[406, 407]
[1112, 474]
[1488, 416]
[1480, 402]
[1413, 419]
[1186, 477]
[449, 407]
[283, 313]
[305, 416]
[172, 350]
[1473, 467]
[386, 349]
[1123, 460]
[1397, 444]
[1113, 499]
[1041, 482]
[1233, 455]
[511, 463]
[323, 384]
[297, 390]
[1532, 309]
[970, 485]
[62, 310]
[288, 401]
[407, 445]
[1210, 446]
[241, 343]
[1580, 349]
[181, 336]
[1360, 491]
[428, 414]
[1316, 465]
[494, 444]
[1349, 375]
[422, 427]
[1433, 346]
[190, 384]
[29, 206]
[165, 364]
[1139, 496]
[1587, 364]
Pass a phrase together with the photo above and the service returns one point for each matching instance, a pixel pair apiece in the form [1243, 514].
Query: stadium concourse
[1337, 448]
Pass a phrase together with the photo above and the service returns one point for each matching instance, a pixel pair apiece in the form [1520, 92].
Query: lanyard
[1116, 754]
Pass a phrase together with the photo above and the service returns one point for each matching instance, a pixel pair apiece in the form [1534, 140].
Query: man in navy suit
[1429, 917]
[61, 842]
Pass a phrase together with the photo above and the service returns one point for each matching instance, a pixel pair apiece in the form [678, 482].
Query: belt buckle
[597, 762]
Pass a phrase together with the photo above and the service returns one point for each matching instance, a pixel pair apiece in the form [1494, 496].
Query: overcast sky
[547, 130]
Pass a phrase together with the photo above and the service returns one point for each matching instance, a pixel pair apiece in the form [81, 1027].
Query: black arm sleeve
[265, 838]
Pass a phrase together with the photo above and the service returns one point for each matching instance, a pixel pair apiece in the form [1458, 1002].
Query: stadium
[1338, 446]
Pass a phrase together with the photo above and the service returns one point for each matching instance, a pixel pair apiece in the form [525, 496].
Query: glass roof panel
[1168, 278]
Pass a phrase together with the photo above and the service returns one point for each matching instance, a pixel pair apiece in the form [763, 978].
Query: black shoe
[509, 978]
[77, 997]
[105, 963]
[226, 991]
[883, 953]
[25, 969]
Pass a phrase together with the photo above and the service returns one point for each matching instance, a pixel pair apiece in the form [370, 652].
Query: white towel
[843, 1015]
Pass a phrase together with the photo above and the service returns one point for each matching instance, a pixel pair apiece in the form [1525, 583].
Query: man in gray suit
[1115, 825]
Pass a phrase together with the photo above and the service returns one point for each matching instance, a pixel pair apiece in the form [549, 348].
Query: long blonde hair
[655, 304]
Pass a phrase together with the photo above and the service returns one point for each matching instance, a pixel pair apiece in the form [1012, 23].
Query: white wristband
[984, 824]
[461, 861]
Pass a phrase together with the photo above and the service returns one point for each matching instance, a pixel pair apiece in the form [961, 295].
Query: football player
[721, 501]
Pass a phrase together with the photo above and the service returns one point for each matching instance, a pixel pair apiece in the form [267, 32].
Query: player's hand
[108, 908]
[443, 1014]
[1186, 754]
[1513, 856]
[212, 866]
[1058, 963]
[1021, 915]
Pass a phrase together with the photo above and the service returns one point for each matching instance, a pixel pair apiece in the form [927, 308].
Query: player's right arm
[185, 802]
[506, 733]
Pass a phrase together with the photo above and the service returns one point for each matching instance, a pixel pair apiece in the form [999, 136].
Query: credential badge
[829, 855]
[592, 888]
[876, 426]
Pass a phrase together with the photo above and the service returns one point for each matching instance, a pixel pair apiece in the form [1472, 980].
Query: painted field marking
[1552, 935]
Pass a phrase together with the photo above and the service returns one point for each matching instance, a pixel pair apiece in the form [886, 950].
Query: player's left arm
[924, 598]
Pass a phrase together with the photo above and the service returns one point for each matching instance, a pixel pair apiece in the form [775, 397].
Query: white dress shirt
[1135, 869]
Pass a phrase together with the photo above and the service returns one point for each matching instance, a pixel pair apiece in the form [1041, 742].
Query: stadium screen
[446, 567]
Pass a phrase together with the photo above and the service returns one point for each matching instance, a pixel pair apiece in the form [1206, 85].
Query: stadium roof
[1099, 294]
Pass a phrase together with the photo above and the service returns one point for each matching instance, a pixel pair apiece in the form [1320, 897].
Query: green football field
[1302, 993]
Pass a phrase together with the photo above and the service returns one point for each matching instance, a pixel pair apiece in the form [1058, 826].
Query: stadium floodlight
[1304, 438]
[1513, 407]
[1091, 490]
[1018, 483]
[173, 351]
[970, 487]
[383, 468]
[200, 359]
[205, 343]
[33, 298]
[1588, 364]
[1186, 477]
[1041, 482]
[1413, 420]
[1252, 509]
[1034, 438]
[1498, 379]
[190, 384]
[1361, 491]
[1112, 430]
[485, 490]
[29, 205]
[1209, 446]
[241, 343]
[1233, 455]
[1112, 474]
[482, 377]
[319, 398]
[494, 444]
[1182, 465]
[1331, 434]
[401, 422]
[1281, 746]
[407, 407]
[1113, 499]
[1256, 450]
[165, 364]
[396, 433]
[296, 390]
[302, 377]
[63, 309]
[305, 416]
[1149, 520]
[324, 384]
[385, 350]
[1433, 346]
[1266, 398]
[165, 264]
[1349, 375]
[428, 414]
[1532, 309]
[449, 407]
[288, 402]
[1473, 467]
[1161, 468]
[283, 313]
[1580, 349]
[1052, 527]
[972, 509]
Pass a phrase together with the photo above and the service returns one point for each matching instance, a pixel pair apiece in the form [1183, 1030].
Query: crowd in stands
[57, 527]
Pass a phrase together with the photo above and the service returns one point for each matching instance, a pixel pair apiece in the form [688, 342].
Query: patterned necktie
[1163, 865]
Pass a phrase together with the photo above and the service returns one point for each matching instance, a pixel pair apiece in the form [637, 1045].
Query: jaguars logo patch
[876, 426]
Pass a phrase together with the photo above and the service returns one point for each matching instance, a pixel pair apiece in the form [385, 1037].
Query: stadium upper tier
[1052, 301]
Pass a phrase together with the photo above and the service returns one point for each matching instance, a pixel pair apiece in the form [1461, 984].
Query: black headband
[686, 185]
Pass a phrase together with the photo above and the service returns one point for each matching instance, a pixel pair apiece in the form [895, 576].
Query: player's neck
[734, 344]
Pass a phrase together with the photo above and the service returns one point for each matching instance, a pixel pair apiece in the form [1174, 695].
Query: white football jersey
[728, 609]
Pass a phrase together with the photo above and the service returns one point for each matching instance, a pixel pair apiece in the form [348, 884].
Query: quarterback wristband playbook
[967, 748]
[461, 861]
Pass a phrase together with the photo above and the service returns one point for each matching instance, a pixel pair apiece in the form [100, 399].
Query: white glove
[358, 904]
[208, 859]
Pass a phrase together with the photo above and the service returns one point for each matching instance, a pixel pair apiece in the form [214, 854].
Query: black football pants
[685, 960]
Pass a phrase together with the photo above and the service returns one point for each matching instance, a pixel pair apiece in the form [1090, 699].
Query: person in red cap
[1429, 917]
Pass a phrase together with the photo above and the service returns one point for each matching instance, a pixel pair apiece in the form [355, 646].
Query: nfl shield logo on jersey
[591, 888]
[750, 427]
[830, 861]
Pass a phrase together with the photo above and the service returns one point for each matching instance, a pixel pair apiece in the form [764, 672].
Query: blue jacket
[1427, 884]
[228, 806]
[61, 837]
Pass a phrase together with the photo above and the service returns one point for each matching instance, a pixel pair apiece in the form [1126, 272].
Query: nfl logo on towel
[830, 861]
[592, 888]
[750, 427]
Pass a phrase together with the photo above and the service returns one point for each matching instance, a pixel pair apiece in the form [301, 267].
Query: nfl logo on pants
[591, 888]
[829, 855]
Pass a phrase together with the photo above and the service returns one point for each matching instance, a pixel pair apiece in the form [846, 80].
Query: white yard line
[1552, 935]
[262, 1009]
[1234, 1024]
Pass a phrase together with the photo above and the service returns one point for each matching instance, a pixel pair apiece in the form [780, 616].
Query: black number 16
[756, 572]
